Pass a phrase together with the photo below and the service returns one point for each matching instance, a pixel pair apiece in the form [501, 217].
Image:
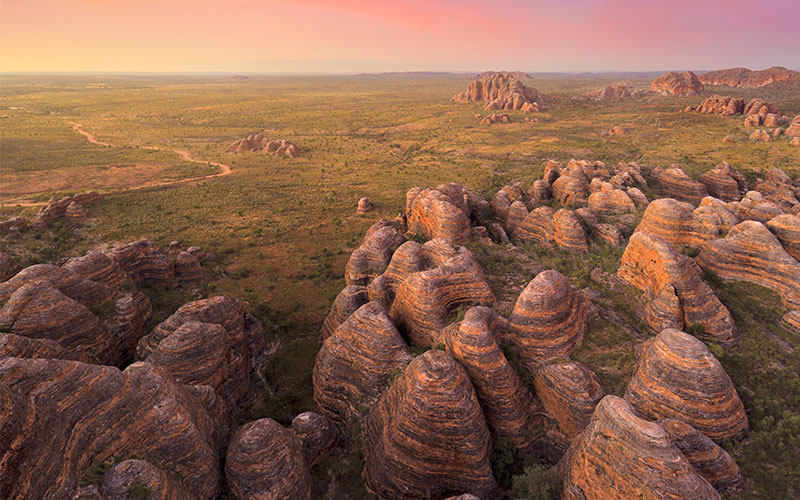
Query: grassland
[282, 229]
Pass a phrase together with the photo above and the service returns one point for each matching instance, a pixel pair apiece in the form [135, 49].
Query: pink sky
[398, 35]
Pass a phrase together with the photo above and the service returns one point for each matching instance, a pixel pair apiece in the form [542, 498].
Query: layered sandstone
[317, 435]
[619, 456]
[260, 143]
[8, 266]
[673, 182]
[677, 84]
[121, 480]
[188, 268]
[754, 206]
[610, 200]
[677, 377]
[144, 260]
[356, 363]
[746, 78]
[569, 392]
[434, 214]
[787, 229]
[57, 209]
[750, 252]
[713, 212]
[549, 318]
[616, 90]
[18, 346]
[346, 303]
[411, 451]
[676, 223]
[74, 286]
[724, 182]
[97, 266]
[672, 285]
[265, 460]
[373, 255]
[721, 105]
[501, 91]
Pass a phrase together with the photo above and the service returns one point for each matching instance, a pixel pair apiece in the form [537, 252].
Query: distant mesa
[519, 75]
[616, 90]
[260, 143]
[677, 84]
[746, 78]
[501, 91]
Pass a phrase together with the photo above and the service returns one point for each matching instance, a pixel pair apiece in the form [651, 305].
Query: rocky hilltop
[260, 143]
[677, 84]
[616, 90]
[501, 91]
[519, 75]
[746, 78]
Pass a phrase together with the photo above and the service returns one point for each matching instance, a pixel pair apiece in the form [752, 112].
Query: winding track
[78, 127]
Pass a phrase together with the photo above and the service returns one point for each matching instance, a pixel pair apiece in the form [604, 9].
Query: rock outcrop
[260, 143]
[73, 285]
[97, 266]
[14, 225]
[510, 409]
[616, 90]
[673, 182]
[720, 105]
[57, 209]
[427, 436]
[317, 434]
[496, 118]
[60, 418]
[121, 481]
[8, 267]
[569, 392]
[746, 78]
[355, 364]
[750, 252]
[677, 377]
[610, 200]
[364, 206]
[501, 91]
[549, 318]
[713, 212]
[794, 128]
[675, 294]
[724, 182]
[787, 229]
[708, 458]
[346, 303]
[265, 460]
[676, 223]
[677, 84]
[373, 255]
[144, 260]
[754, 206]
[188, 268]
[434, 214]
[545, 226]
[17, 346]
[619, 456]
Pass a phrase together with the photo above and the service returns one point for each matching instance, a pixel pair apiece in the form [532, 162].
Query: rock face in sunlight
[779, 189]
[676, 223]
[411, 451]
[346, 303]
[720, 105]
[97, 266]
[260, 143]
[71, 416]
[677, 377]
[610, 200]
[673, 182]
[496, 118]
[8, 266]
[357, 362]
[787, 229]
[549, 318]
[724, 182]
[620, 456]
[439, 213]
[708, 458]
[371, 258]
[501, 91]
[616, 90]
[144, 260]
[569, 392]
[265, 460]
[677, 84]
[510, 408]
[675, 295]
[746, 78]
[70, 206]
[545, 226]
[750, 252]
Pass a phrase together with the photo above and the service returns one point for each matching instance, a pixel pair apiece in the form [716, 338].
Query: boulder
[616, 90]
[676, 376]
[536, 227]
[364, 206]
[67, 417]
[8, 267]
[677, 84]
[569, 392]
[713, 212]
[610, 200]
[721, 105]
[760, 107]
[750, 252]
[619, 456]
[260, 143]
[494, 118]
[356, 364]
[794, 128]
[760, 135]
[674, 288]
[724, 182]
[265, 460]
[754, 206]
[427, 436]
[432, 213]
[568, 232]
[540, 191]
[188, 268]
[317, 434]
[549, 318]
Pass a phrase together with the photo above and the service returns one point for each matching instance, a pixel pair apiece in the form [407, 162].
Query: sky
[344, 36]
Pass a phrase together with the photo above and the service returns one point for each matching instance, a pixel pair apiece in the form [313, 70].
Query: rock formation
[434, 214]
[746, 78]
[674, 289]
[188, 268]
[568, 232]
[427, 436]
[496, 118]
[724, 182]
[346, 303]
[754, 206]
[144, 260]
[18, 346]
[510, 409]
[720, 105]
[8, 267]
[121, 480]
[779, 189]
[677, 84]
[713, 212]
[317, 435]
[760, 136]
[708, 458]
[619, 456]
[259, 142]
[794, 128]
[364, 206]
[787, 229]
[519, 75]
[60, 418]
[97, 266]
[616, 90]
[677, 377]
[545, 226]
[750, 252]
[569, 392]
[13, 225]
[501, 91]
[56, 210]
[355, 364]
[610, 200]
[676, 223]
[265, 460]
[374, 254]
[673, 182]
[74, 286]
[549, 318]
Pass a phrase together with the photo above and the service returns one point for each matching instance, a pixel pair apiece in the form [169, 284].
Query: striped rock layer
[510, 409]
[708, 458]
[62, 417]
[754, 206]
[619, 456]
[265, 460]
[677, 377]
[610, 200]
[17, 346]
[97, 266]
[779, 188]
[500, 91]
[144, 260]
[427, 437]
[673, 182]
[569, 392]
[317, 435]
[653, 266]
[56, 210]
[8, 267]
[787, 229]
[356, 364]
[724, 182]
[118, 481]
[67, 282]
[546, 227]
[346, 303]
[434, 214]
[713, 212]
[371, 258]
[424, 284]
[675, 222]
[188, 268]
[549, 318]
[750, 252]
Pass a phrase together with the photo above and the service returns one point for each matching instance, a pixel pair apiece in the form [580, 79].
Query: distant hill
[747, 78]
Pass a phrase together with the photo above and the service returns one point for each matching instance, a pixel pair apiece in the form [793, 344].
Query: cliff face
[677, 84]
